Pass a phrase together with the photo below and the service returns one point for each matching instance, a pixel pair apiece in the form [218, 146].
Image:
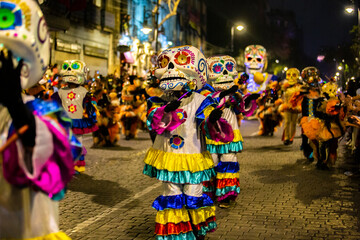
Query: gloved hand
[229, 91]
[10, 97]
[215, 115]
[172, 106]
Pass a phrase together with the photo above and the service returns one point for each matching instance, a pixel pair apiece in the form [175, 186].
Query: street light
[240, 28]
[340, 68]
[349, 10]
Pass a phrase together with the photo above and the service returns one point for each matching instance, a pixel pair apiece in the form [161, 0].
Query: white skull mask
[179, 65]
[222, 71]
[255, 59]
[23, 30]
[74, 71]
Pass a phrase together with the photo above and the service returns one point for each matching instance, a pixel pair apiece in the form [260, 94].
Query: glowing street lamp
[349, 10]
[340, 68]
[285, 69]
[240, 28]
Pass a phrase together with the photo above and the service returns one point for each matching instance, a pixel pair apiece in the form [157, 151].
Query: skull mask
[255, 59]
[222, 71]
[74, 71]
[23, 30]
[179, 65]
[311, 77]
[330, 89]
[292, 75]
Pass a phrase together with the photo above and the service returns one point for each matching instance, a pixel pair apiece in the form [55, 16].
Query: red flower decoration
[72, 108]
[71, 95]
[182, 58]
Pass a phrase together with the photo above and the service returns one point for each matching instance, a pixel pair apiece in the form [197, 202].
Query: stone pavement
[282, 196]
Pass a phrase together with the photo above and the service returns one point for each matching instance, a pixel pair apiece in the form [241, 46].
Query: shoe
[286, 142]
[224, 205]
[291, 142]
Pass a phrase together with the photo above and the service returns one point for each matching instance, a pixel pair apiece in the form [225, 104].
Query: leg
[80, 164]
[292, 126]
[287, 121]
[209, 186]
[201, 209]
[227, 179]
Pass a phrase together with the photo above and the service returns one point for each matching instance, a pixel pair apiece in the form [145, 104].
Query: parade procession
[179, 119]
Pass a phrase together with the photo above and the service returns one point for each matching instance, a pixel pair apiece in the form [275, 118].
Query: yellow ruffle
[201, 214]
[175, 162]
[237, 138]
[172, 216]
[51, 236]
[227, 175]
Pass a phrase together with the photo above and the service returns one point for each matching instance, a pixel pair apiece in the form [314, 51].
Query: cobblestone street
[282, 195]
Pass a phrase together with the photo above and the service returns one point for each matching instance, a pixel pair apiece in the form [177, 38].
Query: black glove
[10, 97]
[215, 115]
[229, 91]
[172, 106]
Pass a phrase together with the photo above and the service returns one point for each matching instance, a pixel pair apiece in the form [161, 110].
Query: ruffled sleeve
[221, 130]
[53, 155]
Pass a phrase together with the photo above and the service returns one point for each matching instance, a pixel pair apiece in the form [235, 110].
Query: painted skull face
[74, 71]
[222, 71]
[311, 77]
[292, 75]
[179, 65]
[255, 59]
[330, 88]
[23, 30]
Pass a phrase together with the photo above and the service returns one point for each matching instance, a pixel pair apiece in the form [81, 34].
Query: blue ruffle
[200, 116]
[181, 236]
[232, 147]
[198, 202]
[165, 202]
[227, 167]
[183, 177]
[84, 123]
[178, 201]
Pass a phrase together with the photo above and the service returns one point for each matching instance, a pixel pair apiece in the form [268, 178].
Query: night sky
[323, 23]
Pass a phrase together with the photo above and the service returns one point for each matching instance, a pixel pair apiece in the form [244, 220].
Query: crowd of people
[192, 107]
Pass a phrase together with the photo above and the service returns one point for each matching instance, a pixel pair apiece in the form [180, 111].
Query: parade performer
[268, 112]
[178, 156]
[310, 99]
[330, 115]
[226, 185]
[37, 148]
[291, 89]
[77, 102]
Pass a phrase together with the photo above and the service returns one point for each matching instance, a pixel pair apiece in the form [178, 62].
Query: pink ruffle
[221, 131]
[163, 121]
[54, 174]
[85, 130]
[232, 195]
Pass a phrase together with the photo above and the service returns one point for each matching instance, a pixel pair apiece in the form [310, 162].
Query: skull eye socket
[217, 68]
[163, 61]
[294, 75]
[182, 58]
[249, 58]
[229, 66]
[75, 66]
[10, 16]
[258, 59]
[65, 66]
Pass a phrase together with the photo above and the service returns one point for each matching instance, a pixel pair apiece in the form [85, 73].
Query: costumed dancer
[178, 156]
[37, 148]
[77, 102]
[291, 89]
[268, 112]
[226, 185]
[330, 115]
[310, 99]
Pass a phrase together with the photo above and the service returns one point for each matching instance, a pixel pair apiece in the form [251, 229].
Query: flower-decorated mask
[179, 65]
[222, 71]
[255, 59]
[310, 76]
[23, 30]
[292, 75]
[74, 71]
[330, 89]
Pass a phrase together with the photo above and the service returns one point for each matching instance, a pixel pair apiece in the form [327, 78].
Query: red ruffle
[204, 224]
[209, 184]
[85, 130]
[227, 182]
[172, 228]
[80, 163]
